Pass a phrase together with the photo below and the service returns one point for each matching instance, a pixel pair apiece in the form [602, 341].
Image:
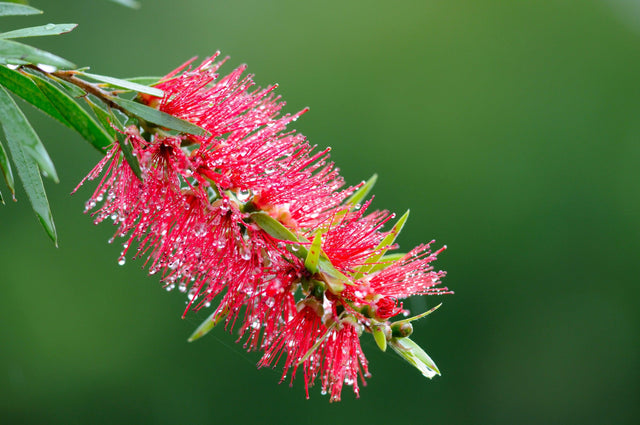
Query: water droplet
[47, 68]
[121, 261]
[270, 302]
[49, 26]
[243, 195]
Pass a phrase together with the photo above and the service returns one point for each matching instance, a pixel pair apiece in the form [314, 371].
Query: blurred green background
[511, 130]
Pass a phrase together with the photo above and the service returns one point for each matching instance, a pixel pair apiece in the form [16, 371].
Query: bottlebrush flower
[251, 219]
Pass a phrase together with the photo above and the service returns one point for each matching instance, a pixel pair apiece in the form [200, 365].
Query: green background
[510, 128]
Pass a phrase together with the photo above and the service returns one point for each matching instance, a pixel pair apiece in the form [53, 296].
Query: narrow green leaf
[362, 193]
[1, 199]
[32, 183]
[78, 118]
[24, 87]
[333, 277]
[104, 117]
[72, 90]
[17, 128]
[210, 323]
[313, 256]
[124, 84]
[386, 261]
[5, 167]
[274, 228]
[159, 118]
[411, 352]
[127, 152]
[49, 29]
[419, 316]
[383, 247]
[379, 336]
[145, 81]
[12, 51]
[132, 4]
[12, 9]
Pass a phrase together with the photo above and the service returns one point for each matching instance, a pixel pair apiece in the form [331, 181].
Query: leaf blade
[313, 256]
[14, 52]
[415, 355]
[208, 325]
[362, 192]
[32, 182]
[383, 246]
[125, 84]
[12, 9]
[75, 115]
[5, 167]
[131, 4]
[159, 118]
[41, 30]
[22, 86]
[19, 130]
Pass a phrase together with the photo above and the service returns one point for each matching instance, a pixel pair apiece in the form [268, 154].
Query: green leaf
[5, 167]
[12, 9]
[124, 84]
[313, 256]
[18, 129]
[210, 323]
[419, 316]
[24, 87]
[383, 247]
[30, 176]
[411, 352]
[386, 261]
[49, 29]
[132, 4]
[108, 118]
[78, 118]
[104, 117]
[274, 228]
[145, 81]
[379, 336]
[127, 152]
[362, 192]
[12, 52]
[159, 118]
[333, 277]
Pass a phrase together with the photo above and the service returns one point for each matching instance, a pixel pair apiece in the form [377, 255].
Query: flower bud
[401, 329]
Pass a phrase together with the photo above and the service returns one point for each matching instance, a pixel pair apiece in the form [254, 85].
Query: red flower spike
[343, 361]
[191, 216]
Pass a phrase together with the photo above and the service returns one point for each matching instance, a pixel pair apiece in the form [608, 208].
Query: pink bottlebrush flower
[195, 217]
[343, 360]
[295, 341]
[352, 237]
[411, 275]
